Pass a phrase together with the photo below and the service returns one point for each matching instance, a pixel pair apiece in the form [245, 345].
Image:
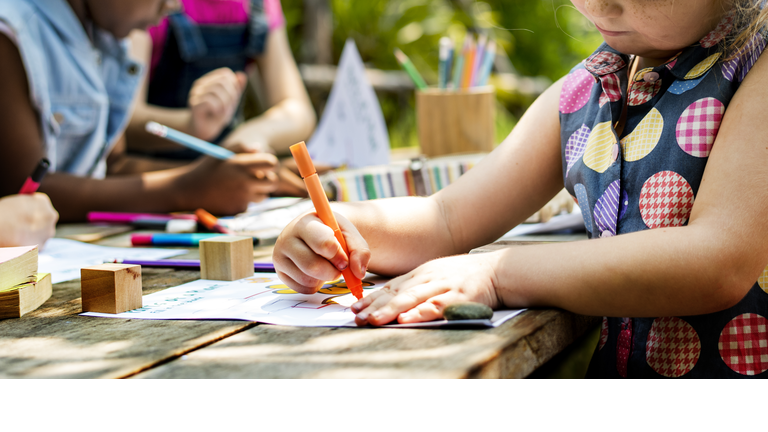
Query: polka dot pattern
[681, 86]
[599, 153]
[644, 137]
[698, 126]
[666, 200]
[576, 90]
[583, 201]
[703, 67]
[763, 280]
[607, 210]
[738, 67]
[624, 346]
[575, 147]
[673, 347]
[743, 344]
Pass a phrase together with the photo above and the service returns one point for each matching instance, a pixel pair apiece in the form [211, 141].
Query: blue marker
[189, 141]
[487, 65]
[444, 67]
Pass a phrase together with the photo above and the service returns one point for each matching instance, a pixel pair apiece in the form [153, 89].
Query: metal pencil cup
[452, 122]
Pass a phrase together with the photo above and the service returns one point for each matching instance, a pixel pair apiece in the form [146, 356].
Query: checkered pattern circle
[604, 63]
[673, 347]
[763, 280]
[703, 67]
[721, 31]
[599, 152]
[611, 89]
[574, 149]
[641, 92]
[743, 344]
[644, 137]
[698, 126]
[666, 200]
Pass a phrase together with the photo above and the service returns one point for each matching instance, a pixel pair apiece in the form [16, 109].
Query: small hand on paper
[424, 293]
[213, 100]
[307, 253]
[26, 220]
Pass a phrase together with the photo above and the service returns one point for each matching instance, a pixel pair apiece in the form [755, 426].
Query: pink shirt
[215, 12]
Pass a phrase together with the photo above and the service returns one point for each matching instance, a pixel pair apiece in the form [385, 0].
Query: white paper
[352, 130]
[64, 258]
[264, 298]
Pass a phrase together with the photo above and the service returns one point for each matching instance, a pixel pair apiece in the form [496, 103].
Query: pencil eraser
[141, 239]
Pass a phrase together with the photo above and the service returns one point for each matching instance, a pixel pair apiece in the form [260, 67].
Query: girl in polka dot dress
[672, 189]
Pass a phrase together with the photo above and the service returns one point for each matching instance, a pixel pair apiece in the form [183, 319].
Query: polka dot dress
[647, 177]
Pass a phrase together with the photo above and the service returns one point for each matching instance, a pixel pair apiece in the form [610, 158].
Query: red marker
[211, 222]
[33, 182]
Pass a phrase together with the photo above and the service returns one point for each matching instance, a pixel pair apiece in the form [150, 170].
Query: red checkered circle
[604, 63]
[666, 200]
[743, 344]
[673, 347]
[698, 126]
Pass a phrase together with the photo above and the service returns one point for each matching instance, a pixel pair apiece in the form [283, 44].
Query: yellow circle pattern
[644, 138]
[598, 154]
[763, 280]
[703, 67]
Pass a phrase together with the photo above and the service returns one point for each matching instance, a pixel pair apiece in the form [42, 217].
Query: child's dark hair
[750, 17]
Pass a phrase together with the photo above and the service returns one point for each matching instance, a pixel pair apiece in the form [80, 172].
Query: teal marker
[458, 65]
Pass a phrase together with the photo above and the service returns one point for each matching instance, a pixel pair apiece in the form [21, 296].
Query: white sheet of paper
[64, 258]
[264, 298]
[352, 130]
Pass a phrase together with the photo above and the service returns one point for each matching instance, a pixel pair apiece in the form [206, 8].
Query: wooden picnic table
[54, 341]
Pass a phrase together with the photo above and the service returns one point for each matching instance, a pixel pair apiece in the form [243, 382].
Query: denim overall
[647, 177]
[192, 50]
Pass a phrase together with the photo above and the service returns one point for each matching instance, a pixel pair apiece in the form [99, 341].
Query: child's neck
[83, 13]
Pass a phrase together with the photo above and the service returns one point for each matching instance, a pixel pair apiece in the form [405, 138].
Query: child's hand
[424, 293]
[26, 220]
[307, 254]
[225, 187]
[213, 100]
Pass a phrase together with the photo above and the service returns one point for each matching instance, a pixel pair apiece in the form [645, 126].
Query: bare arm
[290, 118]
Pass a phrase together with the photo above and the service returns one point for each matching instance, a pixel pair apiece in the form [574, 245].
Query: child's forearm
[74, 196]
[661, 272]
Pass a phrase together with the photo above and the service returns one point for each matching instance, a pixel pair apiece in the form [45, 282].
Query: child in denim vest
[661, 138]
[69, 83]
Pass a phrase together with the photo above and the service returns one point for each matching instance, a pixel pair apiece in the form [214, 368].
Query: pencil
[446, 54]
[469, 62]
[410, 69]
[188, 141]
[323, 210]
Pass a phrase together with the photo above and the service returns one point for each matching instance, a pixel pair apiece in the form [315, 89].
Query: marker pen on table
[182, 263]
[210, 222]
[323, 209]
[33, 182]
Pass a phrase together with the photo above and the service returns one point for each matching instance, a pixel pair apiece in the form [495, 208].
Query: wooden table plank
[513, 350]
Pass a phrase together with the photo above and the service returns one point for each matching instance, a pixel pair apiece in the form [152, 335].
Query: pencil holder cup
[456, 121]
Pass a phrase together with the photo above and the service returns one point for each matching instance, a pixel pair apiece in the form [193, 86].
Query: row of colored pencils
[458, 69]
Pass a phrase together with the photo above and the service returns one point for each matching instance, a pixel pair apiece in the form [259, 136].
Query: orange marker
[211, 222]
[323, 209]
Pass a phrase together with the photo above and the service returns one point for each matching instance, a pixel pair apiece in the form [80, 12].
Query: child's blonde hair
[750, 18]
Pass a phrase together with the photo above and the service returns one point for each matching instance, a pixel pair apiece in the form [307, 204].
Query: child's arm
[290, 117]
[213, 101]
[222, 187]
[26, 220]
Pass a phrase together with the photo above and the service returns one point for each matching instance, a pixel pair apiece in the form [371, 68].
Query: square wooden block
[226, 258]
[111, 288]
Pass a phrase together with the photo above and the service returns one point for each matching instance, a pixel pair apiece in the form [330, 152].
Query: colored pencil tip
[156, 129]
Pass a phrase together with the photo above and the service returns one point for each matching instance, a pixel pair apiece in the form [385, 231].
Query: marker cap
[141, 239]
[303, 161]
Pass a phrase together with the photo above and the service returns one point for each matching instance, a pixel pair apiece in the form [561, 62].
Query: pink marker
[33, 182]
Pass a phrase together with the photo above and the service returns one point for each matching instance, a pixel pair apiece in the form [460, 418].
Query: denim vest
[82, 89]
[192, 50]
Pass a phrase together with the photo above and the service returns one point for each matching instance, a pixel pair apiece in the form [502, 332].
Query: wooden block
[17, 302]
[226, 258]
[111, 288]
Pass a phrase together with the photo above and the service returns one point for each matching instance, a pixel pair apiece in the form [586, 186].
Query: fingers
[360, 253]
[218, 91]
[387, 304]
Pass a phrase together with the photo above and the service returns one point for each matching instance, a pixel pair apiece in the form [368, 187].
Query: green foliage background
[540, 37]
